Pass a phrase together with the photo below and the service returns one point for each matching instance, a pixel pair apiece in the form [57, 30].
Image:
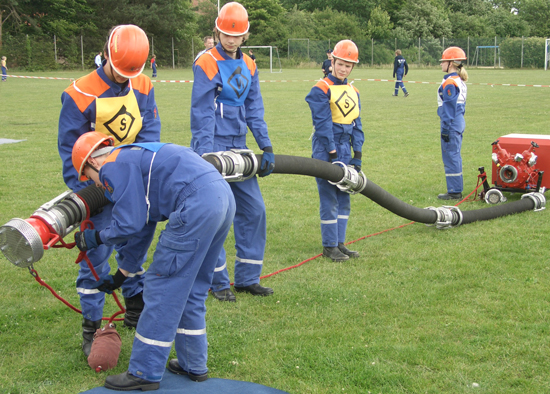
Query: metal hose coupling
[236, 165]
[538, 199]
[23, 241]
[352, 182]
[447, 217]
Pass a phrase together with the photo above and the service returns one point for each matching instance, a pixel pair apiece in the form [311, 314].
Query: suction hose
[23, 241]
[442, 217]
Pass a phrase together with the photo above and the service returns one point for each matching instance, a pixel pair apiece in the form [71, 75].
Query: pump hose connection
[23, 241]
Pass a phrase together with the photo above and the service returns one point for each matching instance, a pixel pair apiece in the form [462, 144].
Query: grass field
[422, 310]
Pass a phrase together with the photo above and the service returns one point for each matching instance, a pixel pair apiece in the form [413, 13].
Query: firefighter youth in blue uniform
[149, 183]
[225, 100]
[451, 101]
[335, 108]
[124, 108]
[400, 69]
[327, 64]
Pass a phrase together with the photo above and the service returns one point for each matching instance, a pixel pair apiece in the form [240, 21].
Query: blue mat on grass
[177, 384]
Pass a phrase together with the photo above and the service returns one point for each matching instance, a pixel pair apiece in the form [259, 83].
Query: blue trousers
[250, 237]
[452, 162]
[335, 207]
[177, 283]
[4, 74]
[399, 84]
[135, 250]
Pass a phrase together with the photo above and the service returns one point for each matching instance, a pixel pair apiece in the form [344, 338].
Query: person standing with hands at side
[327, 64]
[400, 69]
[451, 106]
[4, 69]
[154, 66]
[148, 183]
[118, 101]
[225, 101]
[335, 108]
[97, 60]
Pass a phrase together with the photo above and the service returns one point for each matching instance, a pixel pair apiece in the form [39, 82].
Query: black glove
[268, 162]
[445, 137]
[87, 239]
[332, 157]
[111, 282]
[355, 163]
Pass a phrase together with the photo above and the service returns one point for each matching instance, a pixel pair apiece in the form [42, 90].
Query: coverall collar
[337, 81]
[225, 56]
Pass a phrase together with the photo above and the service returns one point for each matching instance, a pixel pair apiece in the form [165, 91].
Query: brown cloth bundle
[105, 349]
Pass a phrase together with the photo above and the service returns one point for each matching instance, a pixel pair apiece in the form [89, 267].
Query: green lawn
[421, 311]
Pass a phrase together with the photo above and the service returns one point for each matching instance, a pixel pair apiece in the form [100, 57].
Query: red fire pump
[518, 172]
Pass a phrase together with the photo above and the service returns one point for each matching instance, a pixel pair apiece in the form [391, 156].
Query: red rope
[481, 179]
[81, 256]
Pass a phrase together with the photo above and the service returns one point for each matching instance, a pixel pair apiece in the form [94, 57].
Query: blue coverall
[158, 182]
[78, 116]
[335, 205]
[451, 101]
[225, 100]
[400, 68]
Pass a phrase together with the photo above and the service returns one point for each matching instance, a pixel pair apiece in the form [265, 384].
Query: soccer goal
[486, 56]
[546, 54]
[266, 56]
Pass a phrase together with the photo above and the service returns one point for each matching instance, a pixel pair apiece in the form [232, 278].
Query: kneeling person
[152, 182]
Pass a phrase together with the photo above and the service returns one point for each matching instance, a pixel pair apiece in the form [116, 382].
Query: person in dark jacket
[400, 69]
[327, 64]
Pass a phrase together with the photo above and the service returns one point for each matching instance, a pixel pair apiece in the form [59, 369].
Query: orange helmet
[233, 20]
[453, 54]
[346, 50]
[85, 146]
[128, 47]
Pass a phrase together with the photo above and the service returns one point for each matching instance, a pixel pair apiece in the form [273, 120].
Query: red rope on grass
[81, 256]
[481, 179]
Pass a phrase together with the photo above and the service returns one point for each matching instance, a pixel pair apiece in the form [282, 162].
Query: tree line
[272, 22]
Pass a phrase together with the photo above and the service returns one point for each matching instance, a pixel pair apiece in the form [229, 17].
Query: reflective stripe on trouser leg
[92, 300]
[249, 227]
[183, 263]
[191, 340]
[334, 209]
[452, 162]
[220, 279]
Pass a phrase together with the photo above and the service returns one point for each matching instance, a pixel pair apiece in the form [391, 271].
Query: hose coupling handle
[237, 165]
[445, 216]
[538, 199]
[352, 182]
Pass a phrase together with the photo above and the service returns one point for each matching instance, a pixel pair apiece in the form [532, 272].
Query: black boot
[134, 306]
[255, 289]
[334, 254]
[350, 253]
[127, 382]
[88, 330]
[174, 367]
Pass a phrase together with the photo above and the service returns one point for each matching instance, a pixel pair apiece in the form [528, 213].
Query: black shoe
[224, 295]
[450, 196]
[351, 253]
[394, 95]
[127, 382]
[88, 330]
[255, 289]
[134, 307]
[407, 94]
[334, 253]
[174, 367]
